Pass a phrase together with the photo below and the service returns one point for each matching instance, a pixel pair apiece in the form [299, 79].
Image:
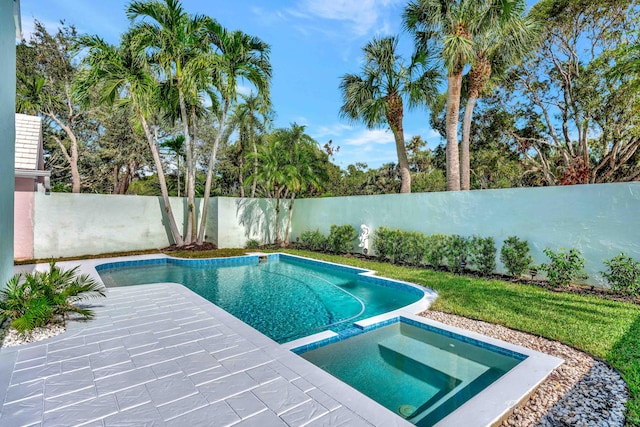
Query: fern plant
[37, 299]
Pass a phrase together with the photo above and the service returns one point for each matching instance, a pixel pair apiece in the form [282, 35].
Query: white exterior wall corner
[9, 20]
[601, 220]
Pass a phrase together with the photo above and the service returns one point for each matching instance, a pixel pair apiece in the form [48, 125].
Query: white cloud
[363, 15]
[368, 137]
[331, 130]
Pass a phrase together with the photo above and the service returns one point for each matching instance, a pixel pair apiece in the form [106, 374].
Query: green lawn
[608, 330]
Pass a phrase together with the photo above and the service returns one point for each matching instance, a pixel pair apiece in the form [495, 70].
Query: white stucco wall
[69, 224]
[7, 135]
[239, 220]
[601, 220]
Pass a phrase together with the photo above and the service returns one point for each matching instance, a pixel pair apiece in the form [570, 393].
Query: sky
[313, 43]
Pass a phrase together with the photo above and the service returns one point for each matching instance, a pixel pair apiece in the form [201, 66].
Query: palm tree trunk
[207, 185]
[453, 109]
[465, 162]
[403, 162]
[175, 233]
[190, 165]
[394, 118]
[255, 169]
[277, 194]
[286, 233]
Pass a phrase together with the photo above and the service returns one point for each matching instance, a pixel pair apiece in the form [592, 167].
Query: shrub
[515, 255]
[38, 299]
[564, 267]
[482, 254]
[457, 250]
[436, 249]
[314, 241]
[623, 274]
[252, 244]
[388, 244]
[341, 238]
[413, 246]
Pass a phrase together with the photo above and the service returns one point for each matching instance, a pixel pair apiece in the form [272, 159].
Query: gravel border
[580, 392]
[9, 337]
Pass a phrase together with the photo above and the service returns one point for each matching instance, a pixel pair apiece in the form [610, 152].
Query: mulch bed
[193, 247]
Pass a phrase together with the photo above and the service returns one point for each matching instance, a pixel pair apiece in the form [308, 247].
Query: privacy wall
[601, 220]
[79, 224]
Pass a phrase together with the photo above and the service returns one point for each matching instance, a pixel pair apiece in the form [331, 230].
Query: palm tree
[274, 170]
[375, 96]
[496, 49]
[121, 75]
[451, 27]
[238, 56]
[300, 149]
[178, 44]
[250, 118]
[176, 145]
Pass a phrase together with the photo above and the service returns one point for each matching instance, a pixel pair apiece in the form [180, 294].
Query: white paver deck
[161, 355]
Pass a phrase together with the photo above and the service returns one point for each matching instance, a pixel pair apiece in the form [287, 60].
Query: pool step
[433, 357]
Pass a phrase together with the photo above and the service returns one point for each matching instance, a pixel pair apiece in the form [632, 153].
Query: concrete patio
[162, 355]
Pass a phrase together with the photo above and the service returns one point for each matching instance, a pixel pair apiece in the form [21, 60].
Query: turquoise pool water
[284, 298]
[419, 372]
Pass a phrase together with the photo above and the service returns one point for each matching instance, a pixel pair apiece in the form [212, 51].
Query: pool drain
[406, 410]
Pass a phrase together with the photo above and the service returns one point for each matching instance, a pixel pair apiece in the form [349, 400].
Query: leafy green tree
[176, 146]
[47, 71]
[577, 120]
[375, 96]
[451, 27]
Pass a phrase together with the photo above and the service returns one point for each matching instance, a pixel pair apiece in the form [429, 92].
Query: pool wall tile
[351, 332]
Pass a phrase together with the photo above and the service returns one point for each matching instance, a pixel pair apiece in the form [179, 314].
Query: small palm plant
[38, 299]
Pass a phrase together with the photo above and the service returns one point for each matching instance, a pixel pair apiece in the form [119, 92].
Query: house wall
[600, 220]
[7, 135]
[24, 205]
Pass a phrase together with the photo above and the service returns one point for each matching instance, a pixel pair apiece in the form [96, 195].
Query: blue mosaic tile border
[222, 262]
[463, 338]
[118, 264]
[317, 263]
[388, 283]
[351, 332]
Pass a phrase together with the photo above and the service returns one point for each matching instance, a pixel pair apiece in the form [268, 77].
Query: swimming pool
[285, 298]
[420, 372]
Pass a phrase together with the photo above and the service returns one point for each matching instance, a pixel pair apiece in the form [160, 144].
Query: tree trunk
[394, 118]
[241, 164]
[465, 159]
[190, 166]
[175, 233]
[277, 194]
[286, 235]
[207, 185]
[255, 169]
[453, 109]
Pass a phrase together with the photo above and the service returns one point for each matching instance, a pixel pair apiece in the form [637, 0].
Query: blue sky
[313, 43]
